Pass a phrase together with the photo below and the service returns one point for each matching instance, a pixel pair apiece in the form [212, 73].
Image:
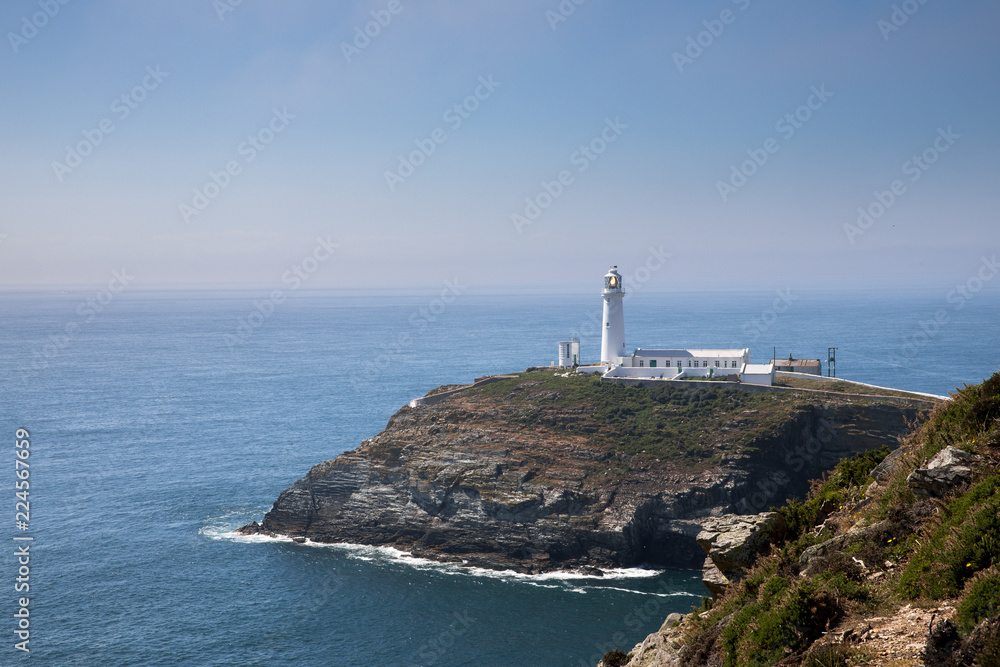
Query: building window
[678, 363]
[689, 363]
[641, 363]
[652, 363]
[716, 363]
[704, 364]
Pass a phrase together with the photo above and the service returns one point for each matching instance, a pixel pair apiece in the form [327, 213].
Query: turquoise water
[154, 433]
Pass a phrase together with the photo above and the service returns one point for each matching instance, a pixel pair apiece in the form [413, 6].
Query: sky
[507, 144]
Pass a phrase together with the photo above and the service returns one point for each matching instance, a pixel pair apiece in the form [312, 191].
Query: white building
[569, 353]
[665, 363]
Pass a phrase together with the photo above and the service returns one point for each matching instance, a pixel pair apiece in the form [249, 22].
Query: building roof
[757, 369]
[640, 352]
[795, 362]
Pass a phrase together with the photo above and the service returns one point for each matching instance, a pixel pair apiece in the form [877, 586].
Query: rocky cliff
[894, 559]
[548, 470]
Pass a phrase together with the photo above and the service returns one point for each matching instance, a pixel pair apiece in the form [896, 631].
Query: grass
[966, 542]
[691, 425]
[842, 387]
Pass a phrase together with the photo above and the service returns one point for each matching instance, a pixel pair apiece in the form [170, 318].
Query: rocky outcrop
[948, 471]
[661, 648]
[732, 543]
[712, 577]
[539, 472]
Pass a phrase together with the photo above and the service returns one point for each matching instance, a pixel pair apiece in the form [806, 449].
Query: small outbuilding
[758, 374]
[790, 365]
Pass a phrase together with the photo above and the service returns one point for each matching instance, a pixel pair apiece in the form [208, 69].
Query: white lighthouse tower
[613, 334]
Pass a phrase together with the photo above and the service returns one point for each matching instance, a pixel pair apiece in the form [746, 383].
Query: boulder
[733, 541]
[823, 550]
[889, 466]
[817, 557]
[671, 620]
[946, 472]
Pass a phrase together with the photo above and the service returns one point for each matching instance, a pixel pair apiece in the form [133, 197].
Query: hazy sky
[623, 122]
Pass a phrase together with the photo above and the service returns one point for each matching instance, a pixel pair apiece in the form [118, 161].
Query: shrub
[827, 656]
[615, 658]
[966, 542]
[981, 600]
[786, 616]
[851, 474]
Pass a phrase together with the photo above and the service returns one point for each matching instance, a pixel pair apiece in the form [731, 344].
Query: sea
[159, 421]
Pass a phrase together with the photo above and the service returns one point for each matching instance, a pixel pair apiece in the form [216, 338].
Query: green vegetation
[842, 387]
[775, 611]
[895, 549]
[615, 659]
[786, 615]
[663, 421]
[981, 601]
[830, 495]
[966, 542]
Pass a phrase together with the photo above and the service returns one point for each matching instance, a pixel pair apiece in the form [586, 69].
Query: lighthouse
[613, 333]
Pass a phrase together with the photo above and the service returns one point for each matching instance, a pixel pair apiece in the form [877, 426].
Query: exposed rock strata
[519, 477]
[947, 471]
[732, 543]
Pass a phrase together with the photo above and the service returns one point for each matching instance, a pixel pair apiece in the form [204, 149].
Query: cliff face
[547, 471]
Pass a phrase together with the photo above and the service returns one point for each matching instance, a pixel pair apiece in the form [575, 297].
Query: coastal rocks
[946, 472]
[671, 620]
[526, 474]
[732, 543]
[714, 580]
[660, 649]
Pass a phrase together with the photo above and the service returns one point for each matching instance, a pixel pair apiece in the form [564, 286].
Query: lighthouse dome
[613, 281]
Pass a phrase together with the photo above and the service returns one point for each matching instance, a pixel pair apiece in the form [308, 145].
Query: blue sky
[680, 128]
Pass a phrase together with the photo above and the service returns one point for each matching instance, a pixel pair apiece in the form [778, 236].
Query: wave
[221, 528]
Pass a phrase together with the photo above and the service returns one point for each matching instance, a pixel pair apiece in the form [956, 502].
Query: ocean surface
[158, 423]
